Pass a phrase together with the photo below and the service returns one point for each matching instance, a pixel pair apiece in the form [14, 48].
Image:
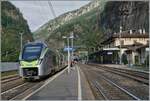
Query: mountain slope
[44, 31]
[100, 20]
[13, 23]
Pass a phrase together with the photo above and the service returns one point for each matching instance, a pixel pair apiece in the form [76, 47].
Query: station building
[132, 46]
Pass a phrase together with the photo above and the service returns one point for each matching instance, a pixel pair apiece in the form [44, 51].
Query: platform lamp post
[64, 37]
[120, 44]
[121, 25]
[123, 13]
[72, 37]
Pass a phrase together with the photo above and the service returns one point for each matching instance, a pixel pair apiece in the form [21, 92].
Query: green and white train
[37, 60]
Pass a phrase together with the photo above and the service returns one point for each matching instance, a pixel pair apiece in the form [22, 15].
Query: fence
[9, 66]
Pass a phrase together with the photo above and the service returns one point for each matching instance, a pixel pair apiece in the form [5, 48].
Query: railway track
[99, 90]
[23, 89]
[109, 90]
[14, 92]
[10, 82]
[106, 88]
[113, 91]
[135, 75]
[9, 78]
[13, 86]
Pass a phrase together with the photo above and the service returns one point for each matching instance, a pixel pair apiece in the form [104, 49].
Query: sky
[38, 12]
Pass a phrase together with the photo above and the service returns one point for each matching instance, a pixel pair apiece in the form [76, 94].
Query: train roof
[36, 43]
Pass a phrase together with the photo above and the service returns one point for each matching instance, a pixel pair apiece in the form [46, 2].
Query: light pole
[120, 44]
[6, 54]
[121, 25]
[21, 42]
[64, 37]
[123, 14]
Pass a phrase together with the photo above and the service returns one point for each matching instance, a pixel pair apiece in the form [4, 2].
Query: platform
[72, 86]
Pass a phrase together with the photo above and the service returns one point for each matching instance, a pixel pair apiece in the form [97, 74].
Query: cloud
[38, 13]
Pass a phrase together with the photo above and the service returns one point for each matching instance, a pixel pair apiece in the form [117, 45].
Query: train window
[31, 52]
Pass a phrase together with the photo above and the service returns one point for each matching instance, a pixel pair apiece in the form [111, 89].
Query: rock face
[50, 26]
[128, 14]
[70, 15]
[13, 23]
[93, 21]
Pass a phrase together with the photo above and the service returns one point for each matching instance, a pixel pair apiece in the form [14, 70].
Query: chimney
[143, 31]
[131, 31]
[140, 31]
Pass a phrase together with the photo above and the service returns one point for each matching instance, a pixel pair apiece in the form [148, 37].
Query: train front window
[31, 52]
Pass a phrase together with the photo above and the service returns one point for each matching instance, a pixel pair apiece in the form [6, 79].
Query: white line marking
[79, 84]
[13, 88]
[48, 81]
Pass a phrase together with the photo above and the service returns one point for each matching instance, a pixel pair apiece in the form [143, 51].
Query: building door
[108, 58]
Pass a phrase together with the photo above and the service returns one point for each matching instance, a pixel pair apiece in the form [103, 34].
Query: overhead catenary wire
[51, 8]
[41, 16]
[53, 11]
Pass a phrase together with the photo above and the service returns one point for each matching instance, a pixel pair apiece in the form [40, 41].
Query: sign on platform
[109, 53]
[70, 49]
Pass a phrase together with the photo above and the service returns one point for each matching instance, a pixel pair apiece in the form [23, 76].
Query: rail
[136, 75]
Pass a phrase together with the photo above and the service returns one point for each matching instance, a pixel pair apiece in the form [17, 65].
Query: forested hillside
[13, 23]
